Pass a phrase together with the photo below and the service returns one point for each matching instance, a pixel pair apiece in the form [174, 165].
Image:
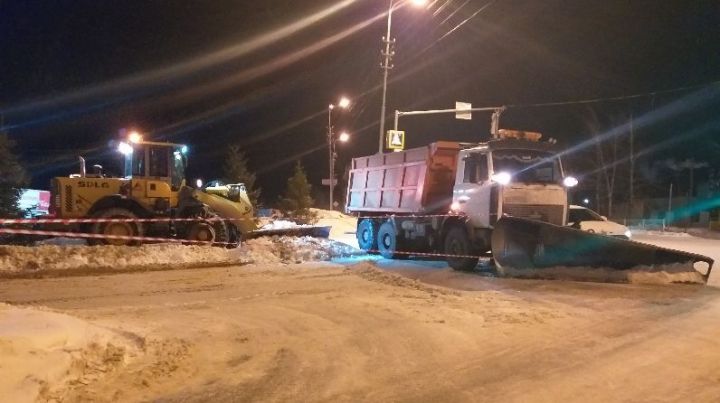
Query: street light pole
[343, 103]
[331, 153]
[387, 54]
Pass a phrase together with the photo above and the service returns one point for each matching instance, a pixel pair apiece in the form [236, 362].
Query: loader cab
[165, 162]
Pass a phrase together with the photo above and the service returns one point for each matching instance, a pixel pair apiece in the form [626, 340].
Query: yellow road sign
[395, 139]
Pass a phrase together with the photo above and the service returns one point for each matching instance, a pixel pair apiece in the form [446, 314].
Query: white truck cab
[515, 175]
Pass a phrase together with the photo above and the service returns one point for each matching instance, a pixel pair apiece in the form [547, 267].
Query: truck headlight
[628, 234]
[502, 178]
[570, 181]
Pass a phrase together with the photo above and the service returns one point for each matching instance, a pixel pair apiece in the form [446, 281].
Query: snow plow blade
[520, 243]
[315, 232]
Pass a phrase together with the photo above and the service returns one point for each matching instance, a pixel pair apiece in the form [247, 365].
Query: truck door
[471, 194]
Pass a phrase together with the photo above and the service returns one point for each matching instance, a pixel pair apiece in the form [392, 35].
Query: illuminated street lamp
[134, 136]
[343, 103]
[386, 64]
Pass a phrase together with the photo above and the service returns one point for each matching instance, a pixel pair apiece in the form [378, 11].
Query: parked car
[585, 219]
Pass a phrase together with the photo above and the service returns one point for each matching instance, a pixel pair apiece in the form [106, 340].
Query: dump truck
[152, 199]
[507, 196]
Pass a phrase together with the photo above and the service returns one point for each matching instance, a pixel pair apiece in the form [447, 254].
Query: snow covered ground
[41, 349]
[263, 328]
[326, 332]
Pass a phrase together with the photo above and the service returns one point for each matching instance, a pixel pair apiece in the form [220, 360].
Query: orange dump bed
[418, 180]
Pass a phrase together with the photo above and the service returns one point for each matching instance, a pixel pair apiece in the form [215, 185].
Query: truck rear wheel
[387, 242]
[457, 243]
[367, 235]
[121, 228]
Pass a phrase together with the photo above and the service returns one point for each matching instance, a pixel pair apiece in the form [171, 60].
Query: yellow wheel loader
[152, 199]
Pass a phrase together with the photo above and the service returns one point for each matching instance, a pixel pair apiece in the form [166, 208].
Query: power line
[617, 98]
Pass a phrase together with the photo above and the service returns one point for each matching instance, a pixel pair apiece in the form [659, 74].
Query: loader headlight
[502, 178]
[570, 181]
[125, 148]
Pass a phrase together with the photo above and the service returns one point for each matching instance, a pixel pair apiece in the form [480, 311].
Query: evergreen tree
[235, 170]
[12, 178]
[297, 201]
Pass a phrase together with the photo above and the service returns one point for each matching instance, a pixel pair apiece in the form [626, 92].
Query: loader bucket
[520, 243]
[314, 231]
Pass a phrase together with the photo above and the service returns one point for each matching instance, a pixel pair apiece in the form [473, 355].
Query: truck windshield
[527, 166]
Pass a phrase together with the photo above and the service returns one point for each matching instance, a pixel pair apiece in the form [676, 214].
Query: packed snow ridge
[24, 260]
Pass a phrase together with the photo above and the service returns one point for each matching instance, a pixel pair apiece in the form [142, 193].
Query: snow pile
[37, 260]
[329, 214]
[43, 352]
[53, 257]
[296, 249]
[343, 226]
[665, 274]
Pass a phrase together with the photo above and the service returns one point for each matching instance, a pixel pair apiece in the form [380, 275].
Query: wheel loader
[152, 199]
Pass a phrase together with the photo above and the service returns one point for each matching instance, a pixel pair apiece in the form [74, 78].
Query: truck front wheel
[458, 247]
[367, 235]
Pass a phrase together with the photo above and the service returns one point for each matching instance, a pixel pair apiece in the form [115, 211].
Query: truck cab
[514, 176]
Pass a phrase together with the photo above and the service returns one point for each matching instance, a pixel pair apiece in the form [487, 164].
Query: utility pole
[387, 52]
[385, 65]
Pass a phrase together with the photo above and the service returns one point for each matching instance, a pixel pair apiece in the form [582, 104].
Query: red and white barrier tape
[414, 216]
[429, 254]
[68, 221]
[82, 235]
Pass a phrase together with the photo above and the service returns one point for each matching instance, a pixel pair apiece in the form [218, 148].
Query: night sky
[72, 73]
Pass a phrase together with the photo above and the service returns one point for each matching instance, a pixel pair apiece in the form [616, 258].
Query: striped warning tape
[429, 254]
[414, 216]
[68, 221]
[66, 234]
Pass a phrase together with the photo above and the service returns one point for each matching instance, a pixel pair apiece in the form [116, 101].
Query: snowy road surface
[412, 331]
[321, 332]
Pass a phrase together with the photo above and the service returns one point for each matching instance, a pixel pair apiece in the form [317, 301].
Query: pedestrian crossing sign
[395, 139]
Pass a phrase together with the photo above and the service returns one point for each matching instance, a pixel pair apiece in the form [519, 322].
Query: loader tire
[367, 235]
[388, 243]
[116, 228]
[200, 233]
[457, 243]
[222, 232]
